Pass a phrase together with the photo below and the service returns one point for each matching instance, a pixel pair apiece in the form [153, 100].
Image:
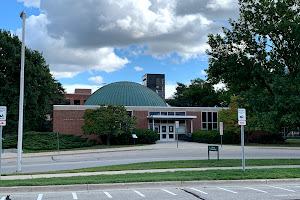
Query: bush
[145, 136]
[47, 141]
[262, 137]
[213, 137]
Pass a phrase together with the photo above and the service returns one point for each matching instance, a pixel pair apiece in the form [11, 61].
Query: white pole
[21, 103]
[1, 128]
[243, 152]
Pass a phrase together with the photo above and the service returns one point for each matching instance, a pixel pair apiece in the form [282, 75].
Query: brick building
[151, 111]
[79, 97]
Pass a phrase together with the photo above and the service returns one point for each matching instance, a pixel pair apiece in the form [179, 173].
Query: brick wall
[196, 122]
[142, 120]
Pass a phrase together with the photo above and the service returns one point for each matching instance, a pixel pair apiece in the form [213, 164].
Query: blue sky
[91, 43]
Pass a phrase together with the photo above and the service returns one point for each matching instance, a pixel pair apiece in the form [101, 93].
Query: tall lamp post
[21, 102]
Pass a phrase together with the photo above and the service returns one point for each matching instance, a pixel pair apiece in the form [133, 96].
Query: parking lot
[210, 192]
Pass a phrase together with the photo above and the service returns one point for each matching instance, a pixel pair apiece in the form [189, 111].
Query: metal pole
[177, 137]
[243, 152]
[57, 140]
[21, 103]
[221, 141]
[1, 128]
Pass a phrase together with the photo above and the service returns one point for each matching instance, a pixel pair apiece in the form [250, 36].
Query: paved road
[216, 191]
[53, 161]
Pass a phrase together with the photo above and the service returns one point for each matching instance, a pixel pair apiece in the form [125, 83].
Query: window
[180, 113]
[76, 102]
[170, 113]
[164, 113]
[171, 129]
[209, 120]
[129, 113]
[154, 113]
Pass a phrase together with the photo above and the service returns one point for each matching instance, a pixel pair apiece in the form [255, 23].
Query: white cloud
[169, 91]
[203, 72]
[96, 79]
[71, 88]
[78, 36]
[137, 68]
[67, 62]
[31, 3]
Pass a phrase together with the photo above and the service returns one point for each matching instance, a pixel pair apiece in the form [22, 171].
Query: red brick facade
[68, 119]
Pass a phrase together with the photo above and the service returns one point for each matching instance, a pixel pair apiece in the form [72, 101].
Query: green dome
[125, 93]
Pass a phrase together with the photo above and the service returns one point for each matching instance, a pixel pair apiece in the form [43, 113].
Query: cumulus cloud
[76, 36]
[31, 3]
[64, 61]
[170, 90]
[96, 79]
[203, 72]
[137, 68]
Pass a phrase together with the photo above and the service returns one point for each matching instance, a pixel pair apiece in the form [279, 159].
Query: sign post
[2, 123]
[176, 130]
[242, 122]
[221, 131]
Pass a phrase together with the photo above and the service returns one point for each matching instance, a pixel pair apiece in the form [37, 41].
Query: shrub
[47, 141]
[145, 136]
[262, 137]
[213, 137]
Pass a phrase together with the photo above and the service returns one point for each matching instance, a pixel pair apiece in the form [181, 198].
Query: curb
[95, 187]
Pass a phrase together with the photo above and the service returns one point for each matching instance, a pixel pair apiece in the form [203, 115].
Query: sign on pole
[2, 123]
[2, 115]
[242, 122]
[221, 128]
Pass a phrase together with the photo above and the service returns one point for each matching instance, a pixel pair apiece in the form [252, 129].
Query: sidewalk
[22, 177]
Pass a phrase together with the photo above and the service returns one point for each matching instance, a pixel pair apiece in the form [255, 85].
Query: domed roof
[125, 93]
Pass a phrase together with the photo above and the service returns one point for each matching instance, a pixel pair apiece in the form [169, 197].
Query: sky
[90, 43]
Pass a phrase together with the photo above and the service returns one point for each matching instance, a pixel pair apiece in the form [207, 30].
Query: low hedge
[145, 136]
[47, 141]
[213, 137]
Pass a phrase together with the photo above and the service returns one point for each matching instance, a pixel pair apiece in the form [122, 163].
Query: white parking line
[256, 189]
[74, 195]
[139, 193]
[3, 198]
[227, 190]
[108, 195]
[198, 190]
[40, 197]
[282, 188]
[169, 192]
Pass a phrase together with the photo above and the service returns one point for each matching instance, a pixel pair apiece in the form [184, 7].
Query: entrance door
[167, 132]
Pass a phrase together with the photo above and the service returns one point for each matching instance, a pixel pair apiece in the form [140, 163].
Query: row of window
[166, 113]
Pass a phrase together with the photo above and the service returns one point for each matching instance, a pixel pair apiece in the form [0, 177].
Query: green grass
[181, 164]
[162, 176]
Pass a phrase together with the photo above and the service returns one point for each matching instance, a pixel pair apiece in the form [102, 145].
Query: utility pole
[21, 102]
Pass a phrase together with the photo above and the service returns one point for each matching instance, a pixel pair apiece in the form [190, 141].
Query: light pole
[21, 102]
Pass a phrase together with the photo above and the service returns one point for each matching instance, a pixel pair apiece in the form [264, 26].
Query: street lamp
[21, 102]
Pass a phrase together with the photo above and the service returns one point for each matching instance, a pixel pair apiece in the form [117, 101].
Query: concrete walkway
[19, 177]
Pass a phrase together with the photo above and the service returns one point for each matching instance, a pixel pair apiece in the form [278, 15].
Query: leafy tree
[107, 121]
[40, 88]
[258, 59]
[199, 93]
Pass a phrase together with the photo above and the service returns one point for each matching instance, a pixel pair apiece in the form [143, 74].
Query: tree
[199, 94]
[40, 88]
[107, 121]
[258, 60]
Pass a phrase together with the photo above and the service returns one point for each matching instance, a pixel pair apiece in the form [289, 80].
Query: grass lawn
[162, 176]
[180, 164]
